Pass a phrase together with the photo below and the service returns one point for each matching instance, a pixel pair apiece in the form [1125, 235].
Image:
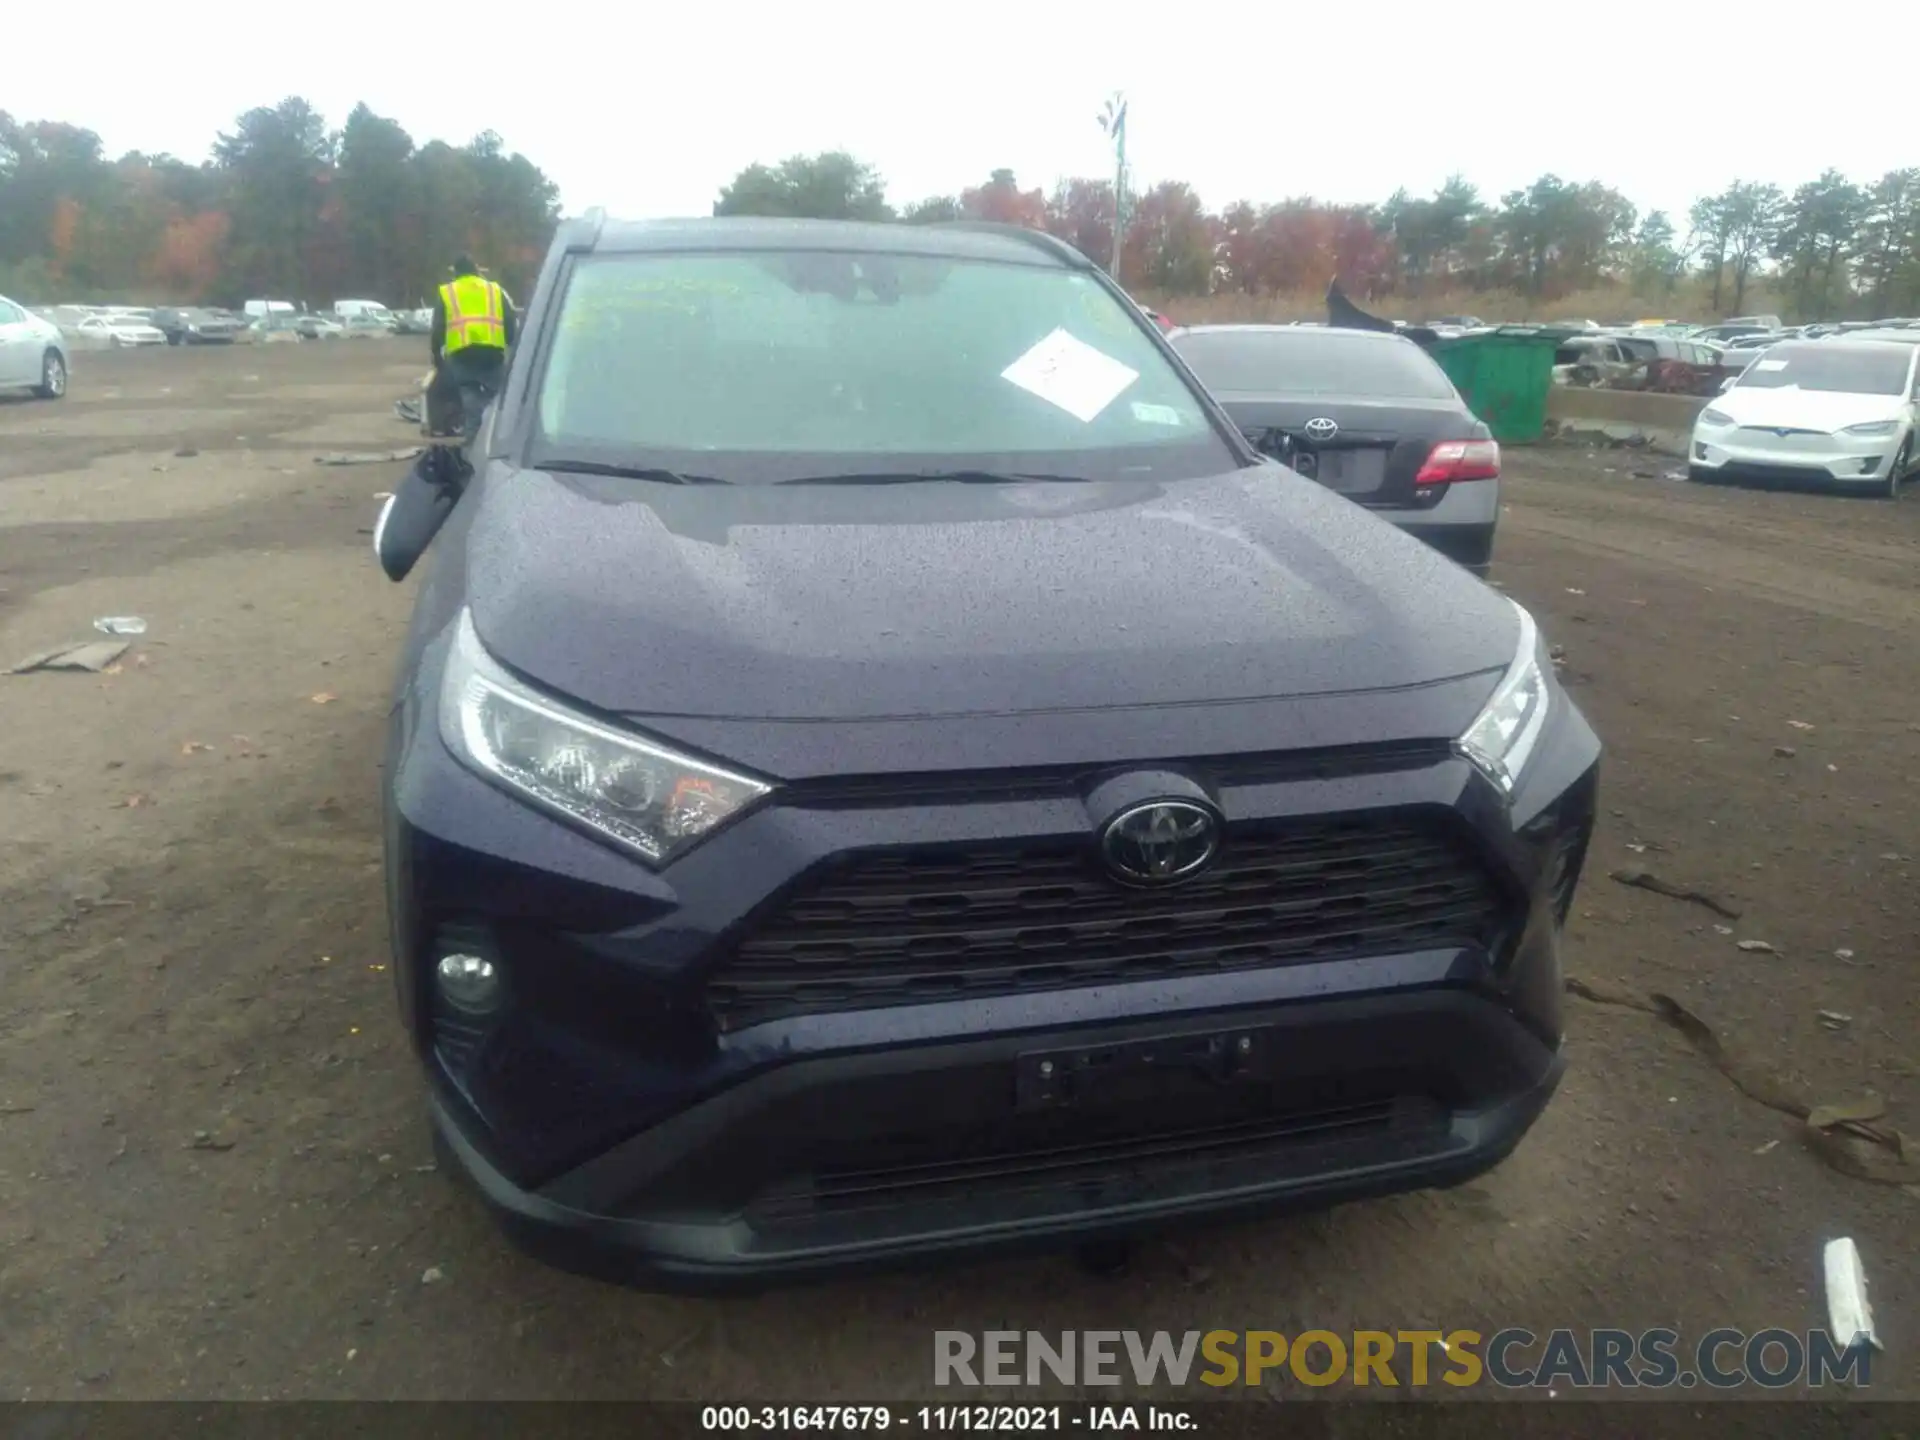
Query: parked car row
[351, 319]
[125, 325]
[119, 326]
[1641, 360]
[35, 342]
[197, 325]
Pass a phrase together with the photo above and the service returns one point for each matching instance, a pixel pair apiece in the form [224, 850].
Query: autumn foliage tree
[1839, 246]
[283, 206]
[63, 235]
[830, 186]
[1080, 212]
[1002, 201]
[189, 258]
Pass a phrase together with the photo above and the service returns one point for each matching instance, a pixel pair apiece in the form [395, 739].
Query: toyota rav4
[881, 767]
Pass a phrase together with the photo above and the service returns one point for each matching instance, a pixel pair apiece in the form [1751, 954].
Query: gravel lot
[215, 1178]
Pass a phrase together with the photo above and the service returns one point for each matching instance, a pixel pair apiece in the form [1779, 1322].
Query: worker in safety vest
[473, 324]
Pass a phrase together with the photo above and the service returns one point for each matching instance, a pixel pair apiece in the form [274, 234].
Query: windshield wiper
[958, 477]
[628, 472]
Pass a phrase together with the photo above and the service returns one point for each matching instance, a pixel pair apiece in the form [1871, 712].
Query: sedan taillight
[1452, 460]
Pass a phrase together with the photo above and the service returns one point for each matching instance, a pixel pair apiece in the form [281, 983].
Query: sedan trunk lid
[1373, 450]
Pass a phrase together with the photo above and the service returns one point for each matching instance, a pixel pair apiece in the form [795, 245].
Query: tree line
[1832, 248]
[284, 207]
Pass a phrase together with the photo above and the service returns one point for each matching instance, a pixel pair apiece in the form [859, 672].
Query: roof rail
[1038, 239]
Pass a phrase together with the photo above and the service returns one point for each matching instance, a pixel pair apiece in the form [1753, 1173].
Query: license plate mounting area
[1101, 1074]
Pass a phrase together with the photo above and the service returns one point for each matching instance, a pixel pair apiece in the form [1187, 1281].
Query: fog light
[468, 982]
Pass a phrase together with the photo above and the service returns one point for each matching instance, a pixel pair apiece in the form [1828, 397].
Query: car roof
[959, 240]
[1853, 344]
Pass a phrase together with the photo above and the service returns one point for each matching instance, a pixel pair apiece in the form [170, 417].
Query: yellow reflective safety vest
[476, 314]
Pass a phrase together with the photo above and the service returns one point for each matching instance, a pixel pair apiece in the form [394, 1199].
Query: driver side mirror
[417, 509]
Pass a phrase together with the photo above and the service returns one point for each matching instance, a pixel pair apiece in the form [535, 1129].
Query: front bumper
[1803, 456]
[621, 1121]
[599, 1220]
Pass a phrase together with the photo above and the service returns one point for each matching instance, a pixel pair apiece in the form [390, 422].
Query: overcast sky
[649, 110]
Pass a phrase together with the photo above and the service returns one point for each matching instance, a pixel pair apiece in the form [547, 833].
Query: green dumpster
[1504, 375]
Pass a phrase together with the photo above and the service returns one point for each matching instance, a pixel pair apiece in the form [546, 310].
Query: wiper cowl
[654, 473]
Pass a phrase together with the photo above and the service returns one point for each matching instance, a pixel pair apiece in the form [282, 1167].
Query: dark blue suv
[881, 767]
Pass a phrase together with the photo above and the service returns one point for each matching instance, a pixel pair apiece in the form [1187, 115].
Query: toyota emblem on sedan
[1160, 841]
[1321, 428]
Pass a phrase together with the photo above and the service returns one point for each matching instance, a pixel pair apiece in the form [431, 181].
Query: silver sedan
[33, 356]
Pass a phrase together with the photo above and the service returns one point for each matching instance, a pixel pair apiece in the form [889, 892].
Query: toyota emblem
[1159, 841]
[1321, 428]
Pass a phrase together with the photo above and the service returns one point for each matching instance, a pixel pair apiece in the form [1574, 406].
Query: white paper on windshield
[1769, 364]
[1156, 414]
[1072, 374]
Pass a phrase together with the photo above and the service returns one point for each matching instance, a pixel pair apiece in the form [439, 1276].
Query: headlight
[1872, 427]
[641, 796]
[1711, 416]
[1502, 737]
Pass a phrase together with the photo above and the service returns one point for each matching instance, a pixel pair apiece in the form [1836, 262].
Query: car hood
[867, 602]
[1804, 409]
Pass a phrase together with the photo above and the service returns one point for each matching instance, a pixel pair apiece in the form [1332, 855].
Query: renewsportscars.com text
[1658, 1359]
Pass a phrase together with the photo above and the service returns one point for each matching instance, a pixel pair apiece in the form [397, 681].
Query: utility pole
[1113, 120]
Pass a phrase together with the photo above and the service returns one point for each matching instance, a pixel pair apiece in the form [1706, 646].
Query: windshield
[769, 365]
[1322, 362]
[1823, 366]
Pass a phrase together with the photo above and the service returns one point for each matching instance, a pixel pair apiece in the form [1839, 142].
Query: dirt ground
[215, 1177]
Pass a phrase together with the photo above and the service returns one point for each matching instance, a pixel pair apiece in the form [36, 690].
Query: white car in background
[1837, 412]
[119, 330]
[33, 355]
[365, 324]
[1743, 350]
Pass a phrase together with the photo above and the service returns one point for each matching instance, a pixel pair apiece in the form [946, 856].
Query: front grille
[903, 927]
[1299, 1132]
